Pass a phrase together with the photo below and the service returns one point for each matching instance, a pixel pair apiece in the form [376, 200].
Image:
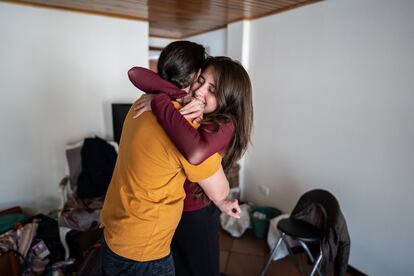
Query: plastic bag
[236, 227]
[274, 235]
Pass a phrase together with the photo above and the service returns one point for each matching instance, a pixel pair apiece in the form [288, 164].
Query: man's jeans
[113, 264]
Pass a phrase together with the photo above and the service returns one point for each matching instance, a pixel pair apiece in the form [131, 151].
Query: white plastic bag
[273, 237]
[236, 227]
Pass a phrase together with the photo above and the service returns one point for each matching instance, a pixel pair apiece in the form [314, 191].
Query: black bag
[98, 163]
[48, 231]
[10, 264]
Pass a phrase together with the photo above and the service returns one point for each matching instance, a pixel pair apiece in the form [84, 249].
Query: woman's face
[204, 89]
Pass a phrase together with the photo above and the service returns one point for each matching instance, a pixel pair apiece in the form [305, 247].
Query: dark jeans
[113, 264]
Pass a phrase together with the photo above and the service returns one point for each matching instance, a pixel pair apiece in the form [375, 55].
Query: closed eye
[201, 80]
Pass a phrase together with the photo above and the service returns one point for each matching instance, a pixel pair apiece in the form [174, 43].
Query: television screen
[119, 112]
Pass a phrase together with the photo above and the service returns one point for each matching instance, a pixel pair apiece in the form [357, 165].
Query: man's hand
[143, 104]
[193, 110]
[230, 207]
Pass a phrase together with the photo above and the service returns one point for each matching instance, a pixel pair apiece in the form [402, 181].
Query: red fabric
[10, 211]
[190, 203]
[195, 145]
[150, 82]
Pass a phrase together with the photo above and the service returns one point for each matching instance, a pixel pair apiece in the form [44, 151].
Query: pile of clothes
[31, 245]
[43, 245]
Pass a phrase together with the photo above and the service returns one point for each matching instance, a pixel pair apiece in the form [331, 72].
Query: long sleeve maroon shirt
[195, 145]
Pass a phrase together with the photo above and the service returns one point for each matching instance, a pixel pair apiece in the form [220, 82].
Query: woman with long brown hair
[223, 92]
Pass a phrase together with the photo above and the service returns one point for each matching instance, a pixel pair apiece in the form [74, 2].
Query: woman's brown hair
[234, 100]
[234, 104]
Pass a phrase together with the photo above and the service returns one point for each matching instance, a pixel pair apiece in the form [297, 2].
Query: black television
[119, 112]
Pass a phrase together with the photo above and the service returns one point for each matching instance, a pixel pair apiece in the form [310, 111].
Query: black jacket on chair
[98, 163]
[320, 208]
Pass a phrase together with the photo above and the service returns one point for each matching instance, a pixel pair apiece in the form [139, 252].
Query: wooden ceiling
[176, 19]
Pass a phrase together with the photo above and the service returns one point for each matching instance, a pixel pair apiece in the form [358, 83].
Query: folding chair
[314, 207]
[304, 233]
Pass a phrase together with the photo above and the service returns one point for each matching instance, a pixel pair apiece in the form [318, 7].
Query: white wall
[159, 42]
[238, 37]
[214, 41]
[59, 73]
[333, 96]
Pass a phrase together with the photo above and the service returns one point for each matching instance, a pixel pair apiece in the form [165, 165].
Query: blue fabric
[113, 264]
[8, 221]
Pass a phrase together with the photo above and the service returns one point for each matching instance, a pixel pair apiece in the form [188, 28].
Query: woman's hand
[230, 207]
[193, 110]
[143, 104]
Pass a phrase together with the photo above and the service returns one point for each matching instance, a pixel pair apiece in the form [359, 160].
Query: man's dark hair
[179, 61]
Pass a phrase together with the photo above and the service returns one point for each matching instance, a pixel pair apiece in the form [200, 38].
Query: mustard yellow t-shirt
[144, 201]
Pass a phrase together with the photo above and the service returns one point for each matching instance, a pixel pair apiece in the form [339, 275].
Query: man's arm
[211, 177]
[216, 188]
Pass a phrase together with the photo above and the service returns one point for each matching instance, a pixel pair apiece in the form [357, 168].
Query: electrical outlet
[265, 190]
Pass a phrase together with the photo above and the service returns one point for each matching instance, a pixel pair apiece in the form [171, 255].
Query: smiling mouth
[195, 97]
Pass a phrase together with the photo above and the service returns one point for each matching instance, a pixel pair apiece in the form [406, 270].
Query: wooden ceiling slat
[290, 2]
[273, 5]
[263, 3]
[176, 18]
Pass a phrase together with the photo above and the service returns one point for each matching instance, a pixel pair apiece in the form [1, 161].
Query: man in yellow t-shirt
[144, 201]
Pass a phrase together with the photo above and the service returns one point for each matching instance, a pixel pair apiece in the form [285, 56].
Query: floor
[246, 256]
